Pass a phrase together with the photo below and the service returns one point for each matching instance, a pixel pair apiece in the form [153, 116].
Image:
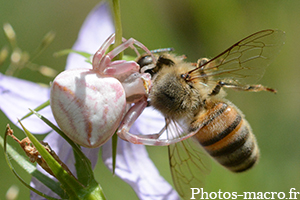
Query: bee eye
[185, 76]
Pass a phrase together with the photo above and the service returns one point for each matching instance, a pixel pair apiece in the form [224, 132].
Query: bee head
[173, 95]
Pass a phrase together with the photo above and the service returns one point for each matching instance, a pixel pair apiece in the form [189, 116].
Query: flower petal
[136, 168]
[17, 96]
[150, 121]
[97, 27]
[133, 164]
[133, 161]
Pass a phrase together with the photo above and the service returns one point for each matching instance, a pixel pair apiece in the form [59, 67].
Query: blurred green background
[197, 29]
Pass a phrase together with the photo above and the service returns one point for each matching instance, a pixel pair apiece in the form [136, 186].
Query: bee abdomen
[228, 138]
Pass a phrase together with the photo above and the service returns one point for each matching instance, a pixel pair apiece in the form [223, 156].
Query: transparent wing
[246, 60]
[189, 164]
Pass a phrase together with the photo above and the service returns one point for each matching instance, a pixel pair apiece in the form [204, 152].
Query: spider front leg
[151, 139]
[99, 55]
[102, 61]
[135, 84]
[121, 69]
[133, 113]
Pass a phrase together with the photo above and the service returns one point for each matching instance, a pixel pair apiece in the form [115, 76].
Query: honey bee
[191, 98]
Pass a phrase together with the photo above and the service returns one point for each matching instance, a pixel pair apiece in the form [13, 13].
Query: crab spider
[89, 104]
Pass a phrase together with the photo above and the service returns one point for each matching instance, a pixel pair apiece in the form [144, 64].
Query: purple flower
[133, 164]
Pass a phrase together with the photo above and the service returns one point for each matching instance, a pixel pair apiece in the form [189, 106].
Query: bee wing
[189, 166]
[188, 162]
[246, 60]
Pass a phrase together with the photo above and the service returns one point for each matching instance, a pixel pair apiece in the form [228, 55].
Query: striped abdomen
[227, 137]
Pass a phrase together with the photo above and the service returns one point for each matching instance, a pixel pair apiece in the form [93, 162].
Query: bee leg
[248, 88]
[217, 88]
[201, 64]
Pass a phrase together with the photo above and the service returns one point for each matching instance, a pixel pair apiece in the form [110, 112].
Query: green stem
[118, 41]
[118, 25]
[114, 150]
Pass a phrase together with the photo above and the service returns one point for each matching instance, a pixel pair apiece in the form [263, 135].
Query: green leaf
[75, 146]
[11, 154]
[83, 170]
[69, 182]
[68, 51]
[83, 165]
[40, 107]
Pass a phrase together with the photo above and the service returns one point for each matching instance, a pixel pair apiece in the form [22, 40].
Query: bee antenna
[162, 50]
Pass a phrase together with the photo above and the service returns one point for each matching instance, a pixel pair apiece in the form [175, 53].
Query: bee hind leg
[217, 88]
[248, 88]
